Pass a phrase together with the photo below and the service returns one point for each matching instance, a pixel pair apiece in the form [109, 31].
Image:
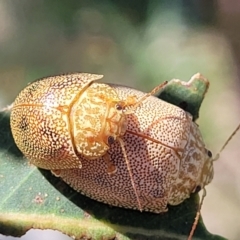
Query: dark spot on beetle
[183, 105]
[111, 140]
[23, 124]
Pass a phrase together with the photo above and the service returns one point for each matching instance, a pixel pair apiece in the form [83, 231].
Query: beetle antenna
[204, 190]
[197, 215]
[226, 143]
[130, 173]
[134, 105]
[156, 89]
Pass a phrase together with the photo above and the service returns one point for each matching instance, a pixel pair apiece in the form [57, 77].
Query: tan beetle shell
[164, 147]
[52, 120]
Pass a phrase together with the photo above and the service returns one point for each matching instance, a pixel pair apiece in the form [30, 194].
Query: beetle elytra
[69, 124]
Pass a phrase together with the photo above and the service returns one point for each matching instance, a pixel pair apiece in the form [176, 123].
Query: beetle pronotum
[105, 140]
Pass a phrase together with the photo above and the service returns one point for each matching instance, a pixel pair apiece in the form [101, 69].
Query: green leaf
[186, 95]
[36, 199]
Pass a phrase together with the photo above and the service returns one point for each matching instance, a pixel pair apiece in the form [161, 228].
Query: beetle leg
[197, 215]
[111, 168]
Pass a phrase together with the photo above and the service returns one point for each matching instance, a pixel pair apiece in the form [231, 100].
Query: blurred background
[138, 43]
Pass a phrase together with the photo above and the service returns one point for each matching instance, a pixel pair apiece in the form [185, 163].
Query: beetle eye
[119, 107]
[111, 140]
[209, 153]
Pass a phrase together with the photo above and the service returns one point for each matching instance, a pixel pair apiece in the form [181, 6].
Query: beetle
[112, 143]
